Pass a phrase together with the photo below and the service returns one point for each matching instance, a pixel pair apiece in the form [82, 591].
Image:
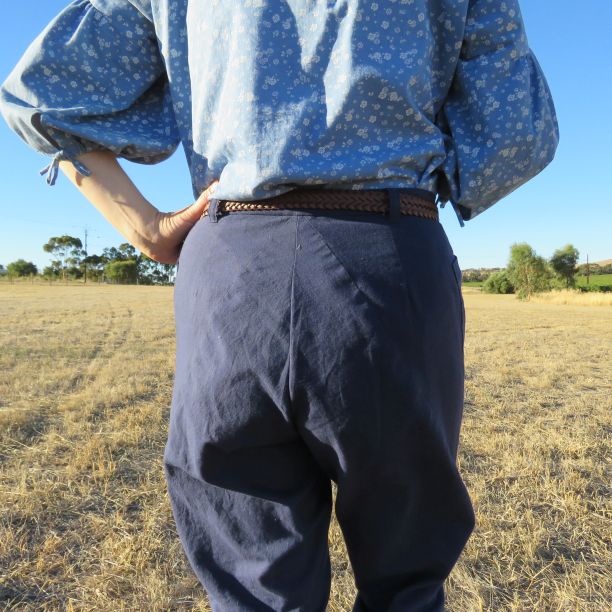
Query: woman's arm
[158, 235]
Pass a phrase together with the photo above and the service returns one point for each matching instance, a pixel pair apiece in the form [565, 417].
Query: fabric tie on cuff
[53, 167]
[459, 217]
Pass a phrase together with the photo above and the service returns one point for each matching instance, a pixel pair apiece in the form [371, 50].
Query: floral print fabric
[268, 95]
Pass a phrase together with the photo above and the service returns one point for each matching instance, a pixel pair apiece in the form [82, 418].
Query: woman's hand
[166, 232]
[158, 235]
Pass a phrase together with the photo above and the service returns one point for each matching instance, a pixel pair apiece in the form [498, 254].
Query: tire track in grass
[98, 460]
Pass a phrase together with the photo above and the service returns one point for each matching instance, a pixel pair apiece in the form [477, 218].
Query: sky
[567, 203]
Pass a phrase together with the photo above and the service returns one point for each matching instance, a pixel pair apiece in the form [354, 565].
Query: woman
[317, 339]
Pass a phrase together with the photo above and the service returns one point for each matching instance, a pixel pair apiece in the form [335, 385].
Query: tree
[122, 271]
[94, 265]
[127, 251]
[498, 282]
[149, 272]
[563, 262]
[592, 269]
[112, 254]
[50, 272]
[21, 267]
[3, 271]
[528, 272]
[68, 250]
[153, 272]
[124, 252]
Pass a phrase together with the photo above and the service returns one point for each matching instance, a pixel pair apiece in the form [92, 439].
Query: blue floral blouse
[267, 95]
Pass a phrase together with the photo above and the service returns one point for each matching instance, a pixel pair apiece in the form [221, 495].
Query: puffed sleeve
[93, 79]
[499, 119]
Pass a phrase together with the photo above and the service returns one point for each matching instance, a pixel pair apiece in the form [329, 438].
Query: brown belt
[411, 202]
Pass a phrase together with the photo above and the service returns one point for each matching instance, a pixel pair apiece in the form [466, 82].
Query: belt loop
[395, 212]
[212, 210]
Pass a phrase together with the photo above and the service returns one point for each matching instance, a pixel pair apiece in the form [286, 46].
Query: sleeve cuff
[69, 150]
[51, 169]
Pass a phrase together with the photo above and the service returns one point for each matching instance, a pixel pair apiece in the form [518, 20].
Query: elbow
[544, 136]
[544, 140]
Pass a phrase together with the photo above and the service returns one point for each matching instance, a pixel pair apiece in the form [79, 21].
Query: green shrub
[498, 282]
[125, 272]
[587, 288]
[21, 267]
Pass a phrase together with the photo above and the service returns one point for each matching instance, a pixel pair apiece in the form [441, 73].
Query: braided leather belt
[369, 200]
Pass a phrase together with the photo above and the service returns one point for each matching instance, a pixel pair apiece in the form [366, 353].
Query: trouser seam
[290, 359]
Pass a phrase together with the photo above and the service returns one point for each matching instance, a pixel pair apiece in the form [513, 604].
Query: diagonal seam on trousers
[340, 262]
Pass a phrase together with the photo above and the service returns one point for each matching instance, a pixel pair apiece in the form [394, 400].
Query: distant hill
[601, 262]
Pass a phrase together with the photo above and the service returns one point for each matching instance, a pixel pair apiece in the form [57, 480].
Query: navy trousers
[315, 346]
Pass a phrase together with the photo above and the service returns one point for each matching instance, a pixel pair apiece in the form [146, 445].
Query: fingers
[209, 191]
[192, 212]
[175, 225]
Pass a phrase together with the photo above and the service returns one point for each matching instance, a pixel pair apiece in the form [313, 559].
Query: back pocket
[458, 278]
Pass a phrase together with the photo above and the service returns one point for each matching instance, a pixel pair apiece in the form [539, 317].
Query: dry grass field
[85, 386]
[573, 296]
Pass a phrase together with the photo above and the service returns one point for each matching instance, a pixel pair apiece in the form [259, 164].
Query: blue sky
[568, 202]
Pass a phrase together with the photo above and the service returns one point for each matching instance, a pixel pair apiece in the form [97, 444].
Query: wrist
[145, 233]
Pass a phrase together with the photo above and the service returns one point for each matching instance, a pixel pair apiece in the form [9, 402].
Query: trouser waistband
[390, 201]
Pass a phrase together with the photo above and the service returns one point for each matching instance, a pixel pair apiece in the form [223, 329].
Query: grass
[472, 283]
[85, 386]
[595, 279]
[573, 296]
